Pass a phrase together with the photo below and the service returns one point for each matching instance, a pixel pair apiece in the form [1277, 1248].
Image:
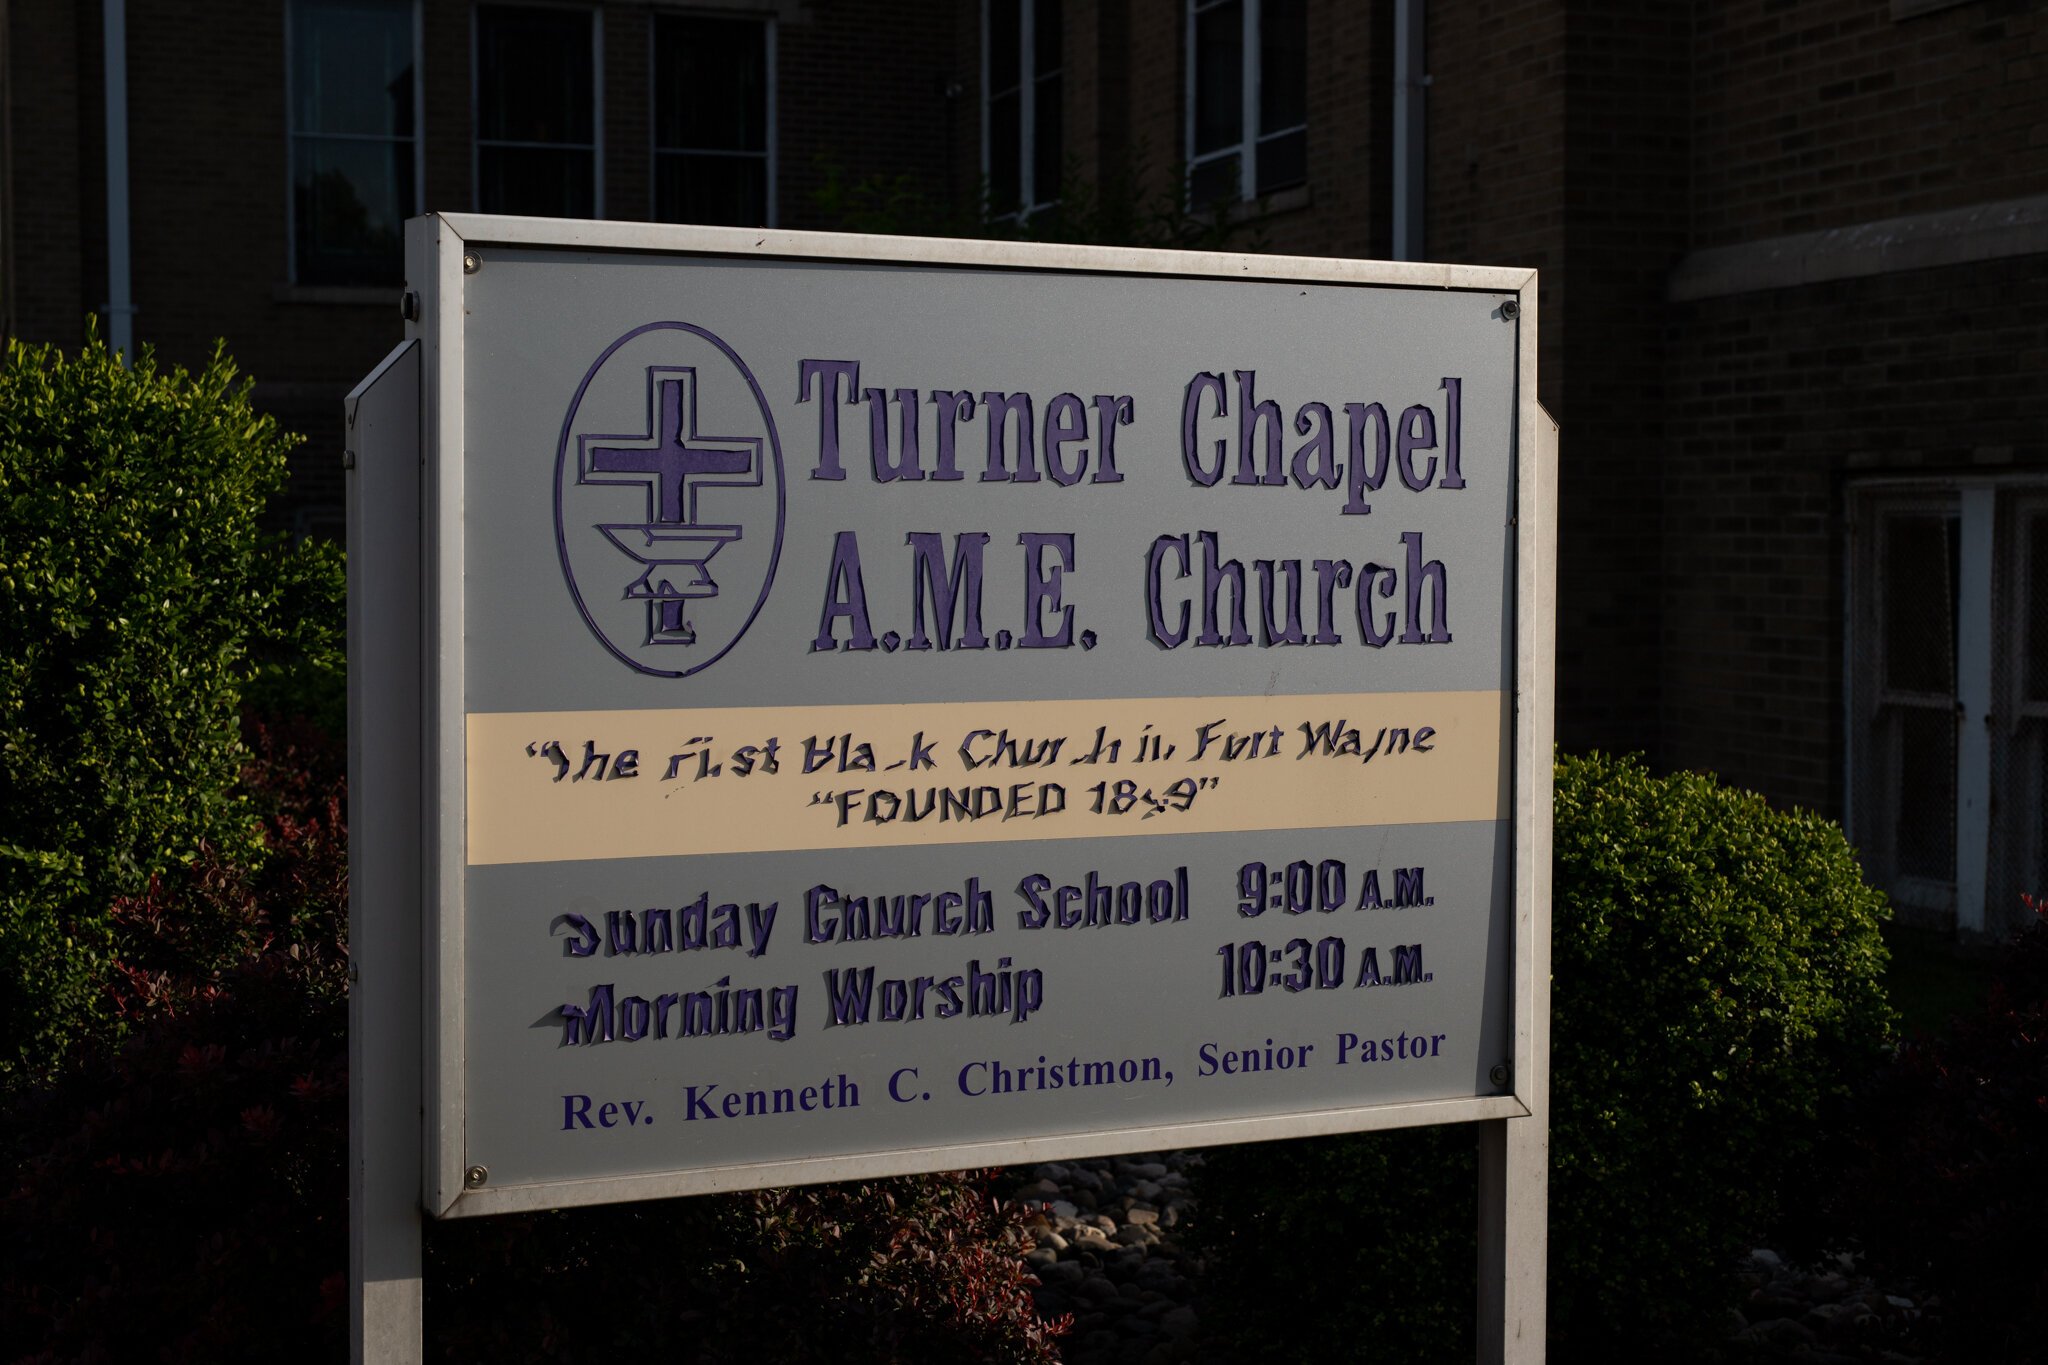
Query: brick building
[1794, 256]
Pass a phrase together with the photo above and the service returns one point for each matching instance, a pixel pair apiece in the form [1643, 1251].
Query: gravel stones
[1106, 1253]
[1818, 1314]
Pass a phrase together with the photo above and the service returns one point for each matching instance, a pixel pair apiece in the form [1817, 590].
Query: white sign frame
[438, 250]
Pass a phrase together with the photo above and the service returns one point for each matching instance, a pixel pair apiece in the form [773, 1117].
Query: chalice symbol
[675, 557]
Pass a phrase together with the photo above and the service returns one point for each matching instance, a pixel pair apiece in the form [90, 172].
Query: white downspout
[1410, 164]
[120, 309]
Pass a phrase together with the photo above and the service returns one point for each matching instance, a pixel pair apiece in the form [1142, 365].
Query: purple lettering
[845, 595]
[1042, 588]
[831, 372]
[1190, 414]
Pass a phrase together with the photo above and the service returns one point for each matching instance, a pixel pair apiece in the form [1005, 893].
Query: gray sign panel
[898, 705]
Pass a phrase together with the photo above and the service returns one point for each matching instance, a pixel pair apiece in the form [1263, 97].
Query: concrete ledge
[1913, 9]
[386, 295]
[1984, 232]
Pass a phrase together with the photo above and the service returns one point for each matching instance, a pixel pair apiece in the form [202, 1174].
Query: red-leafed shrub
[921, 1269]
[184, 1199]
[173, 967]
[1952, 1145]
[180, 935]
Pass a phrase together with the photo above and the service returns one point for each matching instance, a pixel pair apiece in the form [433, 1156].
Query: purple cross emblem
[674, 463]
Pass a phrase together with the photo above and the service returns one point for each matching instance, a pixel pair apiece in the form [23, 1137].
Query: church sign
[896, 705]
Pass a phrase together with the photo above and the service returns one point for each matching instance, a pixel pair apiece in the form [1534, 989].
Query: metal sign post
[1514, 1154]
[382, 466]
[827, 707]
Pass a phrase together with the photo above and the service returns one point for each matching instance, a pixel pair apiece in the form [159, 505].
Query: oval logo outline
[774, 451]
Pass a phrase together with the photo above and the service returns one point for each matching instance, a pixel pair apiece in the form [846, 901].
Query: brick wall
[1805, 117]
[1496, 145]
[1705, 446]
[1493, 195]
[44, 203]
[1778, 399]
[447, 110]
[1624, 205]
[865, 88]
[628, 113]
[1824, 113]
[1156, 81]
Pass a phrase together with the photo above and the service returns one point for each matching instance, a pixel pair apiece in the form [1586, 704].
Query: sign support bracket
[385, 1097]
[1514, 1153]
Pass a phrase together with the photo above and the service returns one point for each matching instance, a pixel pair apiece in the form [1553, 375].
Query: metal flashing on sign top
[789, 244]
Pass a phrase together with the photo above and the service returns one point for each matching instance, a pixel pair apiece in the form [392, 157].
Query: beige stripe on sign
[559, 786]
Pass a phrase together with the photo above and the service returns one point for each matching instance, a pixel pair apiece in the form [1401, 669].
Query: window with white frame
[2018, 731]
[1247, 99]
[537, 82]
[1948, 695]
[1022, 140]
[351, 74]
[714, 120]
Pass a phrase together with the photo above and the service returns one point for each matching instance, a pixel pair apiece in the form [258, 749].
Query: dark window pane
[1925, 835]
[1047, 41]
[352, 67]
[1214, 184]
[534, 78]
[726, 190]
[349, 202]
[1919, 621]
[1219, 77]
[1283, 65]
[710, 83]
[1005, 167]
[2036, 581]
[1004, 58]
[545, 182]
[1283, 161]
[1047, 153]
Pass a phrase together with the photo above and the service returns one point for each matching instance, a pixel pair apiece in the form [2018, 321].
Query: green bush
[1715, 995]
[139, 604]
